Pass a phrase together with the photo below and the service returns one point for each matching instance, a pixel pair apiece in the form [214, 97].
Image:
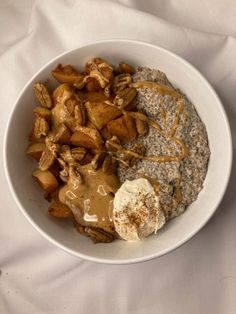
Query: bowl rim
[126, 260]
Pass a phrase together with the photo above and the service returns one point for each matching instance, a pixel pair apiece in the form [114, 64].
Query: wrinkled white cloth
[36, 277]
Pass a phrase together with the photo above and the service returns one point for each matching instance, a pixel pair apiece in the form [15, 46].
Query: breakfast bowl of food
[118, 151]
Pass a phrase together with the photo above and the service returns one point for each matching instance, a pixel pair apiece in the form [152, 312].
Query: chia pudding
[180, 181]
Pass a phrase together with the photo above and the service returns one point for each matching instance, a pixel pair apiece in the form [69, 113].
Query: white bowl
[28, 195]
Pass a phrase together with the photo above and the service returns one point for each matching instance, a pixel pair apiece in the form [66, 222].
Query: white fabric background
[36, 277]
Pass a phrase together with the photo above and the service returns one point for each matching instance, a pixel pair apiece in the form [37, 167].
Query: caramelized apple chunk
[92, 96]
[65, 90]
[105, 133]
[59, 210]
[35, 150]
[68, 74]
[46, 180]
[124, 128]
[101, 113]
[126, 68]
[62, 134]
[87, 137]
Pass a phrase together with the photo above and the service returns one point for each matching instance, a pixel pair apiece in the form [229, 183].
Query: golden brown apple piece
[141, 126]
[35, 150]
[90, 125]
[92, 85]
[99, 235]
[68, 74]
[92, 96]
[46, 180]
[55, 169]
[62, 89]
[62, 134]
[126, 68]
[59, 210]
[124, 128]
[80, 113]
[105, 133]
[101, 113]
[87, 158]
[87, 137]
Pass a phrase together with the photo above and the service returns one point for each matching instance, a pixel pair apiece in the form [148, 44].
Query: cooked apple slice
[87, 158]
[55, 169]
[62, 134]
[46, 180]
[105, 133]
[55, 194]
[33, 139]
[35, 150]
[92, 96]
[62, 90]
[126, 68]
[90, 125]
[86, 137]
[59, 210]
[124, 128]
[92, 85]
[101, 113]
[68, 74]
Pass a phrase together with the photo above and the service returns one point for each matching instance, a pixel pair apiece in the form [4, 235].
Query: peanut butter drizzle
[178, 194]
[91, 201]
[155, 184]
[177, 197]
[169, 136]
[160, 159]
[179, 110]
[60, 113]
[162, 89]
[163, 117]
[143, 117]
